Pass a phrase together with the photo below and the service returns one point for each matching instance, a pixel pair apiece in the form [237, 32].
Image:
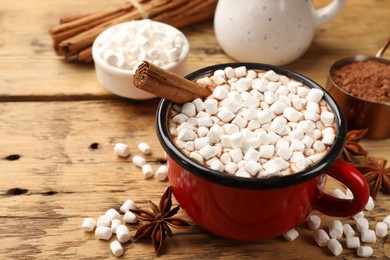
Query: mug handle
[355, 181]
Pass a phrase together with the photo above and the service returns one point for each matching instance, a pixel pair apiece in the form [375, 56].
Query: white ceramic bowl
[120, 81]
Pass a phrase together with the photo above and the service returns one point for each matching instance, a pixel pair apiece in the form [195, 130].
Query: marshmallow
[202, 131]
[327, 118]
[162, 173]
[114, 224]
[259, 84]
[186, 135]
[271, 75]
[197, 157]
[335, 247]
[103, 221]
[218, 79]
[207, 152]
[336, 229]
[122, 150]
[321, 237]
[381, 229]
[103, 233]
[278, 124]
[147, 171]
[358, 215]
[225, 115]
[370, 204]
[231, 168]
[338, 193]
[319, 146]
[368, 236]
[130, 217]
[88, 224]
[199, 105]
[270, 97]
[236, 155]
[291, 235]
[252, 154]
[116, 248]
[112, 214]
[220, 92]
[314, 222]
[328, 138]
[229, 72]
[267, 151]
[365, 251]
[240, 71]
[387, 221]
[278, 107]
[291, 114]
[252, 167]
[315, 95]
[127, 205]
[361, 224]
[139, 161]
[348, 230]
[352, 242]
[123, 233]
[211, 106]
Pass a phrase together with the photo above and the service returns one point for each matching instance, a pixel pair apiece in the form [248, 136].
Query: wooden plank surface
[54, 113]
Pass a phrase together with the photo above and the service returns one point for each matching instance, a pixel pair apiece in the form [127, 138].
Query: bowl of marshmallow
[118, 51]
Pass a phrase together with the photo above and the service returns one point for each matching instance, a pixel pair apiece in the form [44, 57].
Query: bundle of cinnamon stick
[75, 34]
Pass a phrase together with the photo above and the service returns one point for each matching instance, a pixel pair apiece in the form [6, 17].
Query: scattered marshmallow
[127, 205]
[130, 217]
[144, 148]
[123, 233]
[139, 161]
[368, 236]
[103, 221]
[361, 224]
[314, 222]
[162, 173]
[112, 214]
[336, 229]
[291, 235]
[103, 233]
[335, 247]
[352, 242]
[147, 170]
[321, 237]
[116, 248]
[348, 230]
[370, 204]
[122, 150]
[381, 229]
[365, 251]
[387, 221]
[88, 224]
[114, 224]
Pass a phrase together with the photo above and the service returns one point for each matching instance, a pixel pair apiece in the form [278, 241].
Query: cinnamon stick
[168, 85]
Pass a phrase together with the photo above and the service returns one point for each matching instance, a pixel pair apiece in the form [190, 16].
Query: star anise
[160, 220]
[352, 146]
[376, 174]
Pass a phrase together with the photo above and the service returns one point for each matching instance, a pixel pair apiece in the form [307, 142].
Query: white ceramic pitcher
[269, 31]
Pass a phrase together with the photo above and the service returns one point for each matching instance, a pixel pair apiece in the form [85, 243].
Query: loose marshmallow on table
[335, 247]
[112, 214]
[144, 148]
[370, 204]
[114, 224]
[368, 236]
[348, 230]
[130, 217]
[122, 149]
[116, 248]
[103, 221]
[125, 46]
[362, 224]
[291, 235]
[139, 161]
[127, 205]
[162, 173]
[352, 242]
[335, 229]
[123, 233]
[147, 170]
[381, 229]
[103, 233]
[365, 251]
[88, 224]
[314, 222]
[321, 237]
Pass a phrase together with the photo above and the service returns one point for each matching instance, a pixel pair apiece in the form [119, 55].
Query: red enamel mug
[257, 209]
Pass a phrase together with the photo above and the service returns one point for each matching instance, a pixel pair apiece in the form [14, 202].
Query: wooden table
[59, 126]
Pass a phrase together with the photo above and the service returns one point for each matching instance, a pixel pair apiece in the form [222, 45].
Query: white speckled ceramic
[269, 31]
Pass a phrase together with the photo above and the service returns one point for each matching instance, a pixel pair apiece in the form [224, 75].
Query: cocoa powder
[369, 80]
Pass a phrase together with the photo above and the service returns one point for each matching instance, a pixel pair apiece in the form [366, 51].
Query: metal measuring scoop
[360, 113]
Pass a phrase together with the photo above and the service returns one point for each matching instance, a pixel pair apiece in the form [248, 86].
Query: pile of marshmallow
[337, 229]
[111, 223]
[255, 124]
[126, 45]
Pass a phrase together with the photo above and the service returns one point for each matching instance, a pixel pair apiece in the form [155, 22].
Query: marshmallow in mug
[126, 46]
[255, 124]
